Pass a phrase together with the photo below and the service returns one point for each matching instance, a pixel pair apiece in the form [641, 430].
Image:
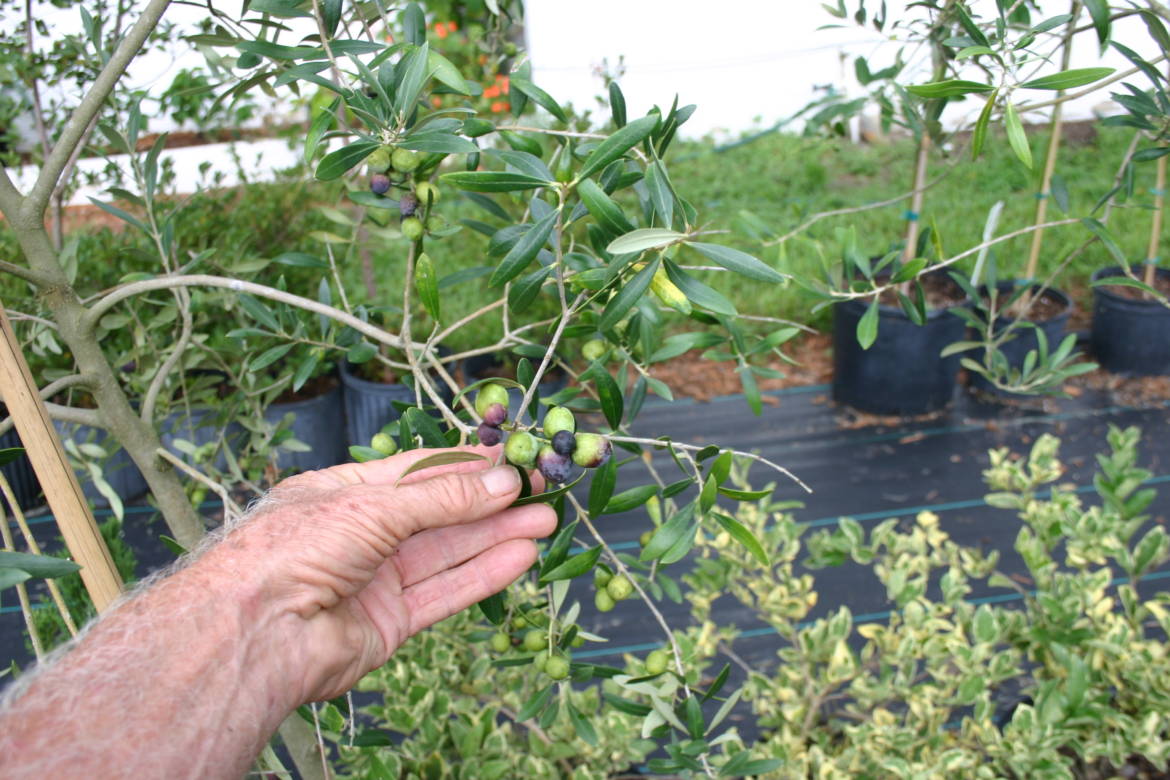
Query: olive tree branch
[50, 390]
[183, 299]
[686, 448]
[90, 105]
[10, 197]
[1089, 89]
[229, 505]
[121, 293]
[877, 289]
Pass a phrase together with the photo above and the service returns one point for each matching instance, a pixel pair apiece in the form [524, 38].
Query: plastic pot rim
[1136, 303]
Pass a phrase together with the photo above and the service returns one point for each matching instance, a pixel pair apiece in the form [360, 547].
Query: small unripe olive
[578, 641]
[557, 667]
[559, 419]
[519, 622]
[619, 587]
[405, 160]
[384, 444]
[657, 662]
[412, 228]
[594, 349]
[644, 539]
[500, 642]
[592, 450]
[603, 601]
[379, 160]
[540, 659]
[521, 449]
[489, 395]
[510, 49]
[427, 193]
[436, 222]
[601, 577]
[535, 640]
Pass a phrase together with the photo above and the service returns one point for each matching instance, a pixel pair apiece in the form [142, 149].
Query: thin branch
[877, 289]
[28, 274]
[228, 504]
[91, 104]
[1087, 90]
[815, 218]
[119, 294]
[695, 448]
[55, 410]
[35, 549]
[164, 371]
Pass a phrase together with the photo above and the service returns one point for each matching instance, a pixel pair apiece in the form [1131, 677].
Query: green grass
[780, 178]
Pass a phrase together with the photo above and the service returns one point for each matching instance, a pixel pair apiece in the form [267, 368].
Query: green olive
[619, 587]
[500, 642]
[535, 640]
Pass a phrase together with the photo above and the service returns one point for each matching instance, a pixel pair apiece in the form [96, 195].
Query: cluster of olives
[554, 663]
[382, 162]
[610, 589]
[554, 454]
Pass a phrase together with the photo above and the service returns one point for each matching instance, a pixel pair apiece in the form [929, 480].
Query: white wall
[745, 63]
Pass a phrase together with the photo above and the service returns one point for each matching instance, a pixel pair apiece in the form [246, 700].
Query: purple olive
[555, 468]
[564, 442]
[495, 415]
[408, 204]
[379, 184]
[489, 435]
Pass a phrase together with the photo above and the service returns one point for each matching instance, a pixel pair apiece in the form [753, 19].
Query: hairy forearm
[178, 681]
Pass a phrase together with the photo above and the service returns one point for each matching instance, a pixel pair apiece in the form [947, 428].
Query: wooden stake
[1156, 224]
[52, 468]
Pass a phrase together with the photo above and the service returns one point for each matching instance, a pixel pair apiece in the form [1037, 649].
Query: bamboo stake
[52, 468]
[1053, 149]
[21, 591]
[35, 549]
[1156, 224]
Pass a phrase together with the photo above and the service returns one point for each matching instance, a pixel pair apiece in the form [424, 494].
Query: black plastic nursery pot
[19, 473]
[1130, 335]
[118, 470]
[1016, 349]
[370, 405]
[315, 423]
[901, 373]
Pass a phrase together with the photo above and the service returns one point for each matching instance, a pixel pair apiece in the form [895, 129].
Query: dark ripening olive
[408, 204]
[379, 184]
[564, 442]
[490, 394]
[555, 467]
[559, 419]
[489, 435]
[592, 451]
[521, 449]
[496, 414]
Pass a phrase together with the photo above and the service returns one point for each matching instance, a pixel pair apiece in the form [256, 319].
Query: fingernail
[501, 480]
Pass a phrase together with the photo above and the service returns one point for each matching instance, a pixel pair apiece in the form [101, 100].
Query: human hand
[346, 563]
